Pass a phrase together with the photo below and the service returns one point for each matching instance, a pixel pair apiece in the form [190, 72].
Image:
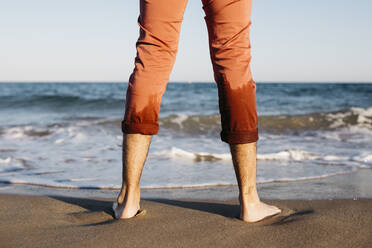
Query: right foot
[253, 212]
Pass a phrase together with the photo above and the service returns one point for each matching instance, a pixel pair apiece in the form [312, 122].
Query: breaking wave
[352, 117]
[288, 155]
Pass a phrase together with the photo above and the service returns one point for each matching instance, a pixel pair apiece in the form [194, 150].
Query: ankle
[249, 197]
[133, 194]
[249, 202]
[121, 194]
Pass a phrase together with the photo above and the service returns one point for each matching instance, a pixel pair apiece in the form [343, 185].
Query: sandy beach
[46, 221]
[329, 212]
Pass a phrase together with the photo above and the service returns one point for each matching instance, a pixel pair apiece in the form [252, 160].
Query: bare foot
[126, 205]
[119, 212]
[253, 212]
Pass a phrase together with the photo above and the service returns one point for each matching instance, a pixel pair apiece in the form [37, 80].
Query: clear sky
[94, 40]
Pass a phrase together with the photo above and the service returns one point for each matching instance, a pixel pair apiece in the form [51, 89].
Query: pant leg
[160, 23]
[228, 23]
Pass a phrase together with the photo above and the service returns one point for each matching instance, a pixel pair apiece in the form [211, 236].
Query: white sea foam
[79, 183]
[5, 160]
[285, 155]
[16, 132]
[180, 119]
[283, 180]
[59, 141]
[290, 154]
[10, 164]
[363, 115]
[175, 152]
[83, 179]
[363, 158]
[55, 184]
[335, 158]
[58, 134]
[74, 134]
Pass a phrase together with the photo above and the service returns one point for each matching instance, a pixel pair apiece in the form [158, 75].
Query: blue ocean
[68, 134]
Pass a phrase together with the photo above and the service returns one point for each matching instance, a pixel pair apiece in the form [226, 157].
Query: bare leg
[134, 153]
[244, 160]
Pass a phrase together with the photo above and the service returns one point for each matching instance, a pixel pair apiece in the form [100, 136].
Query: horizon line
[190, 82]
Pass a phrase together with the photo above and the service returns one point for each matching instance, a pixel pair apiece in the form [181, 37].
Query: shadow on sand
[103, 210]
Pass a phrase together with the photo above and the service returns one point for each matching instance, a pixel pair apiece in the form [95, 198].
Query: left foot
[118, 211]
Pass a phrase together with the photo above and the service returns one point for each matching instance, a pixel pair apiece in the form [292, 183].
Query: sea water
[68, 134]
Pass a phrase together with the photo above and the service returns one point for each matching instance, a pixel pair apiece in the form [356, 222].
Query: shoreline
[353, 185]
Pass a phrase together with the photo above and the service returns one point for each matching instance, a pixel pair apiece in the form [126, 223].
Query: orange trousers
[228, 23]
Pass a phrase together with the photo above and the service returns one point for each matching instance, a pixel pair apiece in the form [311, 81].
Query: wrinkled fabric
[228, 23]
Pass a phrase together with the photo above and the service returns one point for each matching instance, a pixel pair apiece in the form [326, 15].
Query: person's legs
[228, 23]
[160, 23]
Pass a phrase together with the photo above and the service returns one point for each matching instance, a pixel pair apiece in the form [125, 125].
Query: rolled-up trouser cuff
[142, 128]
[239, 137]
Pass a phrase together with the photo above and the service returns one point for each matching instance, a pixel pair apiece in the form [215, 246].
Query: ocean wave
[175, 153]
[59, 132]
[24, 131]
[9, 165]
[59, 102]
[80, 183]
[352, 117]
[354, 120]
[286, 155]
[364, 159]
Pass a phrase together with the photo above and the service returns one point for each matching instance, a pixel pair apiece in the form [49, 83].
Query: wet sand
[58, 221]
[354, 185]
